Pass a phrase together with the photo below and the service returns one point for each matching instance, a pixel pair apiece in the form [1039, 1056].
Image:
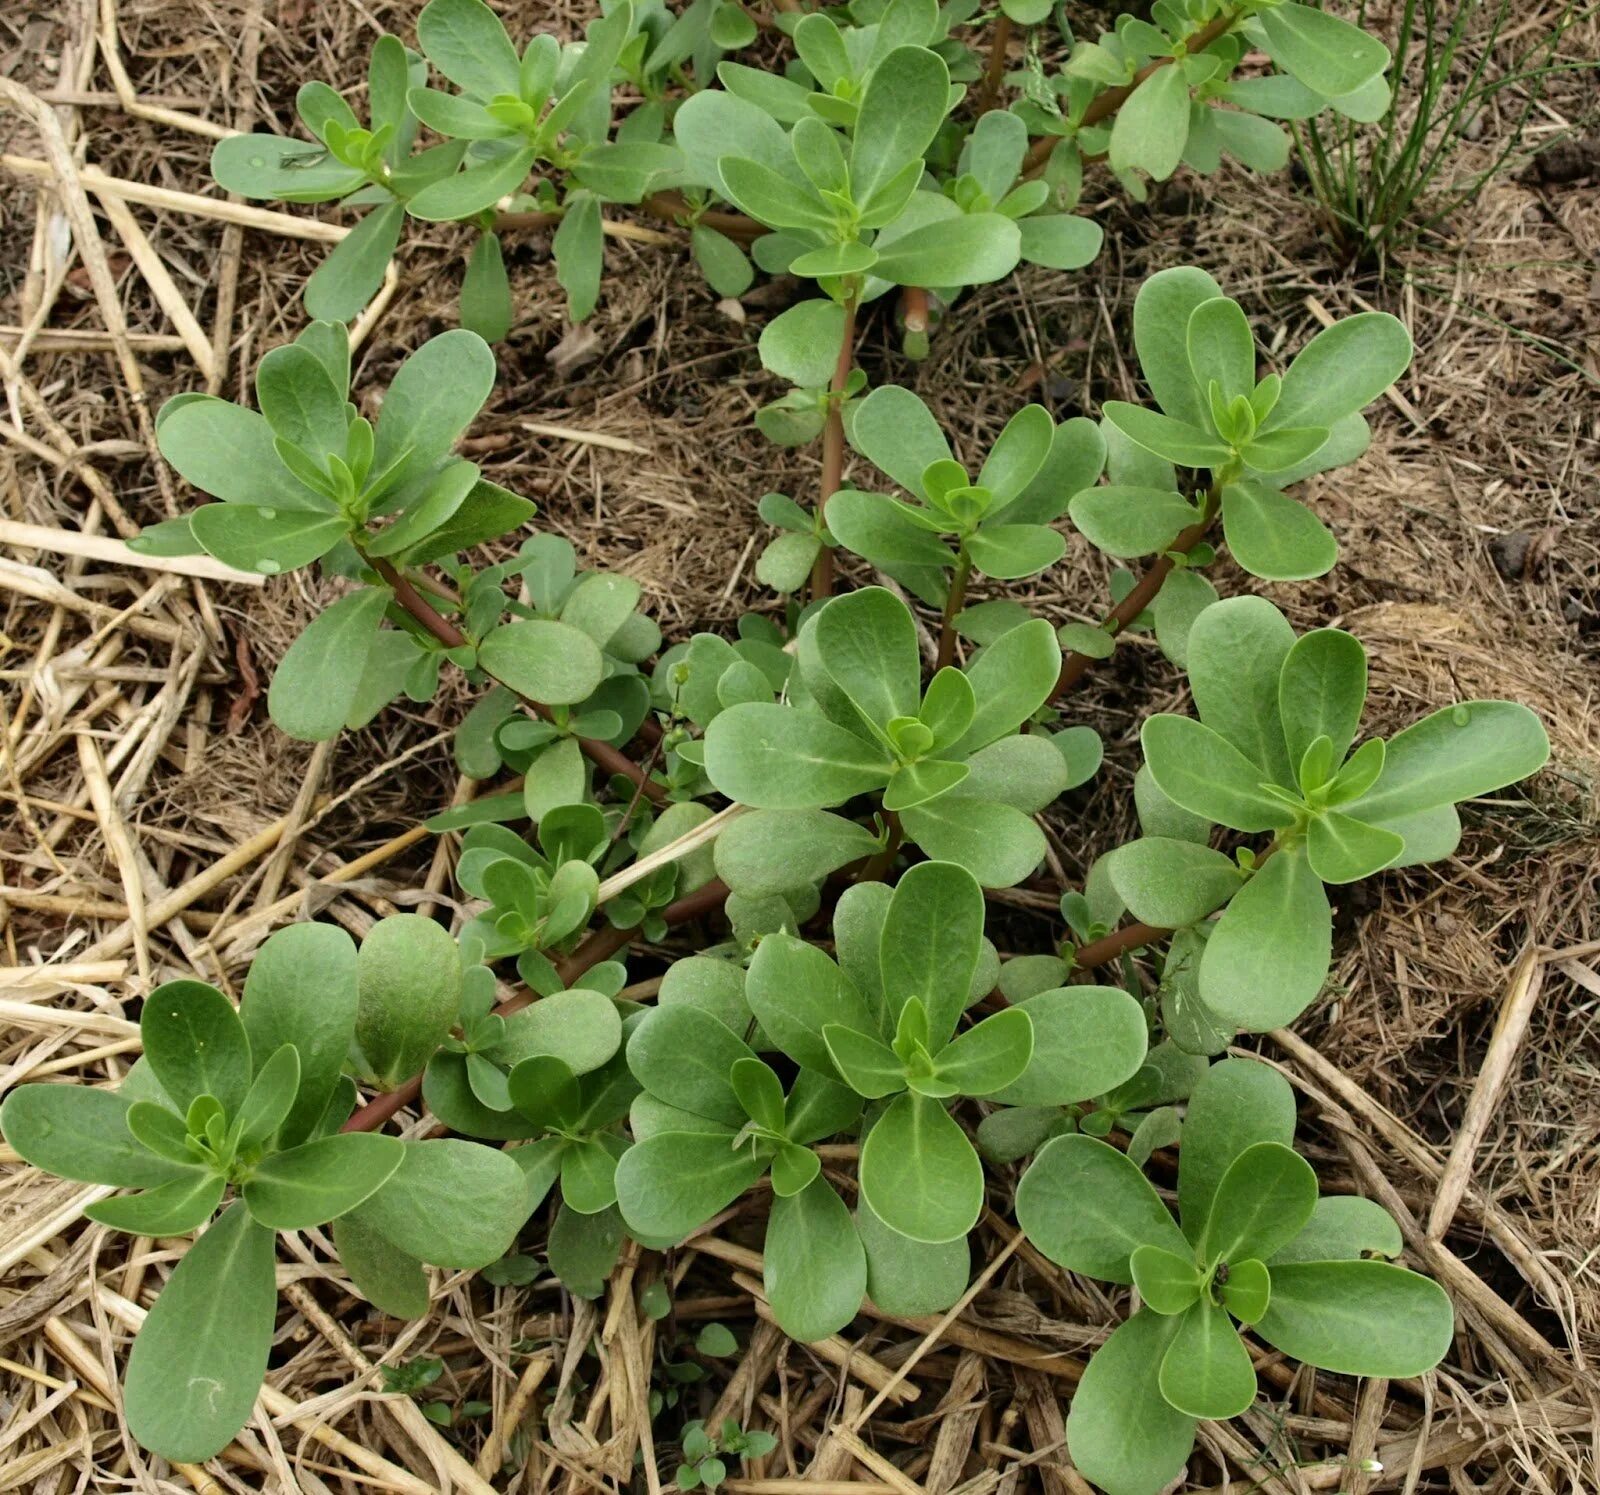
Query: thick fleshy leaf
[989, 1056]
[896, 432]
[196, 1044]
[275, 166]
[972, 249]
[670, 1184]
[174, 1208]
[1343, 849]
[301, 402]
[383, 1274]
[581, 1028]
[271, 1094]
[1321, 689]
[801, 345]
[770, 851]
[1172, 883]
[553, 663]
[1027, 772]
[1127, 522]
[814, 1268]
[253, 538]
[1060, 241]
[584, 1248]
[794, 990]
[1152, 126]
[864, 1062]
[1343, 368]
[931, 941]
[408, 981]
[588, 1173]
[433, 399]
[1264, 1199]
[1167, 1283]
[1457, 753]
[1011, 551]
[321, 1180]
[1087, 1207]
[450, 1203]
[80, 1133]
[867, 642]
[301, 989]
[1011, 679]
[683, 1056]
[1206, 1371]
[1173, 440]
[1086, 1040]
[1325, 53]
[1122, 1432]
[1221, 347]
[997, 844]
[1236, 1104]
[1161, 313]
[1207, 775]
[901, 110]
[1269, 954]
[209, 1331]
[485, 291]
[1343, 1227]
[474, 190]
[466, 42]
[1237, 650]
[773, 757]
[1274, 536]
[1358, 1318]
[315, 686]
[919, 1173]
[908, 1277]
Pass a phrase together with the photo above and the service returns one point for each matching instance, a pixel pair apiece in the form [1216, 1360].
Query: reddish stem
[601, 754]
[1104, 105]
[601, 944]
[833, 446]
[999, 39]
[1075, 666]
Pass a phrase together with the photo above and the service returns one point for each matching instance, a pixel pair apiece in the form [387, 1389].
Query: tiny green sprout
[249, 1101]
[1274, 750]
[705, 1455]
[1255, 1246]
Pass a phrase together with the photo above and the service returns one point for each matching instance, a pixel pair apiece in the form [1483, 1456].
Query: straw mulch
[157, 824]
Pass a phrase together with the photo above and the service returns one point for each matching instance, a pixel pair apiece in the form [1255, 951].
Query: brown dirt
[1471, 567]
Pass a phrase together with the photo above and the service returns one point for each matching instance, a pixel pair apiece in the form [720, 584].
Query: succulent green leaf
[901, 110]
[670, 1184]
[1264, 1199]
[173, 1208]
[990, 1055]
[1343, 1227]
[919, 1173]
[774, 757]
[209, 1332]
[1207, 775]
[684, 1056]
[383, 1274]
[795, 991]
[450, 1203]
[1172, 883]
[408, 993]
[1167, 1283]
[196, 1045]
[1207, 1372]
[1087, 1040]
[319, 1181]
[1457, 753]
[1274, 536]
[1235, 1104]
[549, 662]
[814, 1268]
[1358, 1318]
[1122, 1432]
[1328, 55]
[1087, 1207]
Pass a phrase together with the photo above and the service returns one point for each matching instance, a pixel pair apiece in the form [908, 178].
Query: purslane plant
[1253, 1246]
[248, 1102]
[529, 135]
[1271, 751]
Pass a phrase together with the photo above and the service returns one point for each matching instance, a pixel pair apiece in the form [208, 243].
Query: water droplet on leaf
[1461, 716]
[268, 567]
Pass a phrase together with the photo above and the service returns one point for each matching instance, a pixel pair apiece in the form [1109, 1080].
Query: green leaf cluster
[248, 1101]
[948, 761]
[1253, 1247]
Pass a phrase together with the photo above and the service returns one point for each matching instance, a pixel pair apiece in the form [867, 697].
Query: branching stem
[601, 754]
[953, 603]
